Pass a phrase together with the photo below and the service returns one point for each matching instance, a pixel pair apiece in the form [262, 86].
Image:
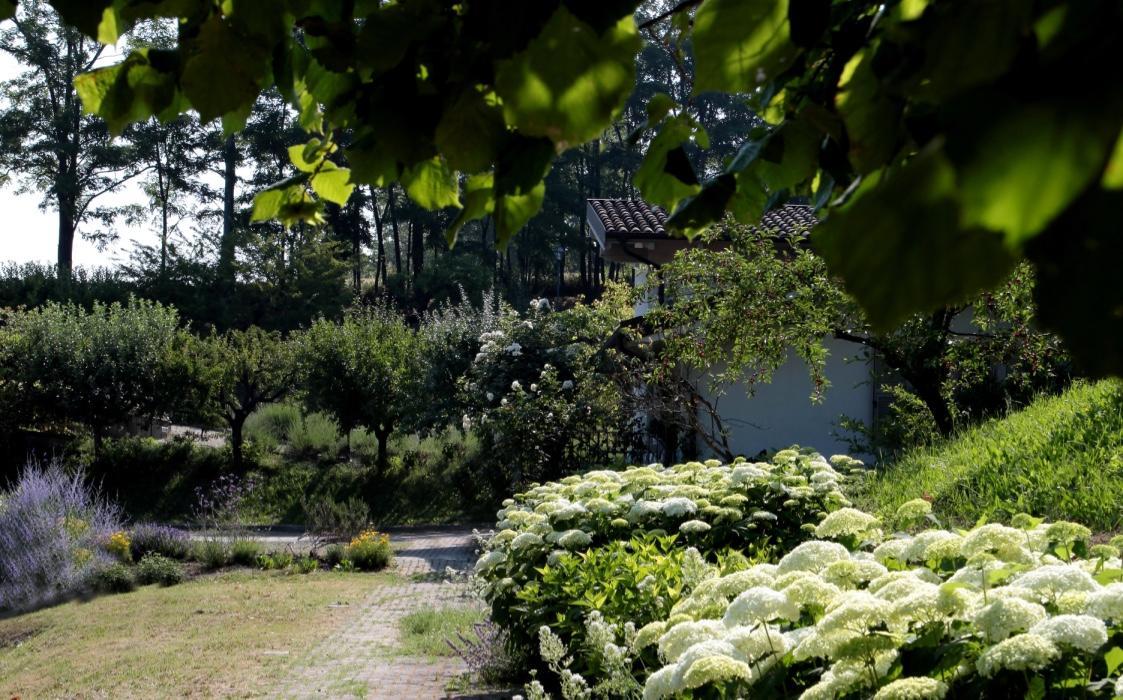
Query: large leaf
[132, 90]
[478, 203]
[7, 9]
[431, 184]
[740, 44]
[570, 82]
[223, 71]
[1020, 164]
[513, 211]
[333, 184]
[1078, 293]
[900, 248]
[870, 116]
[470, 132]
[661, 178]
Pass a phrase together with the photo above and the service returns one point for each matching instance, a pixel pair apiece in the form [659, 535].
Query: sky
[30, 234]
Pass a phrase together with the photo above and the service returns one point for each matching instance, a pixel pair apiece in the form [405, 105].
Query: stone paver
[358, 660]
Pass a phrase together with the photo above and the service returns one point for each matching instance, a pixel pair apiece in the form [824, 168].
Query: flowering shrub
[997, 611]
[370, 550]
[51, 525]
[168, 541]
[119, 546]
[706, 505]
[537, 394]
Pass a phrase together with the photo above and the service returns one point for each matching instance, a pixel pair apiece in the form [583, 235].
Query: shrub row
[828, 606]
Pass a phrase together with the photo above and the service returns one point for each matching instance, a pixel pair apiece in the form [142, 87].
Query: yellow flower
[119, 545]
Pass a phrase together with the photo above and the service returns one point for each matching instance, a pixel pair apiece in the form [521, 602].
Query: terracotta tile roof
[634, 218]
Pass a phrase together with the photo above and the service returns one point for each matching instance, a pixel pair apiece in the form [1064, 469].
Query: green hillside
[1061, 458]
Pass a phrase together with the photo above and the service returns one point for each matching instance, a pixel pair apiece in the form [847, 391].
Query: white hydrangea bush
[757, 505]
[997, 611]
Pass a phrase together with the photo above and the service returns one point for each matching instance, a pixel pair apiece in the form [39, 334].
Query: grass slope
[230, 635]
[1060, 458]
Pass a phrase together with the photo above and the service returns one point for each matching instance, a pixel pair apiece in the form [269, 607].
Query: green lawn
[427, 632]
[1060, 458]
[228, 635]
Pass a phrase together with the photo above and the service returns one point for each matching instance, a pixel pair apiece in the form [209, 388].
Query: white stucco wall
[780, 414]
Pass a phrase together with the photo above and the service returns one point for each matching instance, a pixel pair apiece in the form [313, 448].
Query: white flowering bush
[756, 507]
[541, 394]
[997, 611]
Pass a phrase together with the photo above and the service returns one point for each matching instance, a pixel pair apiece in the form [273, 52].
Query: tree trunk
[237, 422]
[66, 226]
[417, 252]
[383, 435]
[394, 227]
[380, 265]
[226, 246]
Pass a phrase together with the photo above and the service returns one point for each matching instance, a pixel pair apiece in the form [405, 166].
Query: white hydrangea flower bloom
[919, 688]
[1082, 632]
[934, 544]
[1107, 603]
[684, 635]
[757, 641]
[567, 385]
[897, 549]
[660, 684]
[573, 539]
[516, 386]
[489, 561]
[1119, 687]
[1005, 616]
[712, 667]
[526, 540]
[814, 555]
[759, 604]
[1023, 652]
[694, 527]
[846, 521]
[678, 507]
[1051, 580]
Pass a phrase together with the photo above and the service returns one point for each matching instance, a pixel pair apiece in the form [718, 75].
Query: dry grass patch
[229, 635]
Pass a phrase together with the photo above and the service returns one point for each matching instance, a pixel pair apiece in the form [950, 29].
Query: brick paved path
[358, 660]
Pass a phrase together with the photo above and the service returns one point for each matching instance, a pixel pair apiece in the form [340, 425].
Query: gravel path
[358, 661]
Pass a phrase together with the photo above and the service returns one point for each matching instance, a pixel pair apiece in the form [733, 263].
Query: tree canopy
[940, 158]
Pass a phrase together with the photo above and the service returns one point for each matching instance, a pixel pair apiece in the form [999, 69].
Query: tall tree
[46, 143]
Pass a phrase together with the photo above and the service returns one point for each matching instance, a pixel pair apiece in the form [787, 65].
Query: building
[779, 413]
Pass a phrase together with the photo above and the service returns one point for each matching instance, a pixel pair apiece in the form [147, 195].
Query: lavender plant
[51, 527]
[222, 506]
[150, 538]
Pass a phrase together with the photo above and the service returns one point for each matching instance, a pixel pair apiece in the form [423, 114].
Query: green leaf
[513, 211]
[899, 246]
[1077, 292]
[698, 212]
[298, 158]
[1113, 174]
[431, 184]
[84, 15]
[1021, 164]
[1113, 657]
[470, 131]
[141, 86]
[333, 184]
[570, 82]
[871, 118]
[790, 155]
[654, 179]
[370, 163]
[223, 71]
[1036, 689]
[658, 107]
[288, 202]
[478, 203]
[740, 44]
[7, 9]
